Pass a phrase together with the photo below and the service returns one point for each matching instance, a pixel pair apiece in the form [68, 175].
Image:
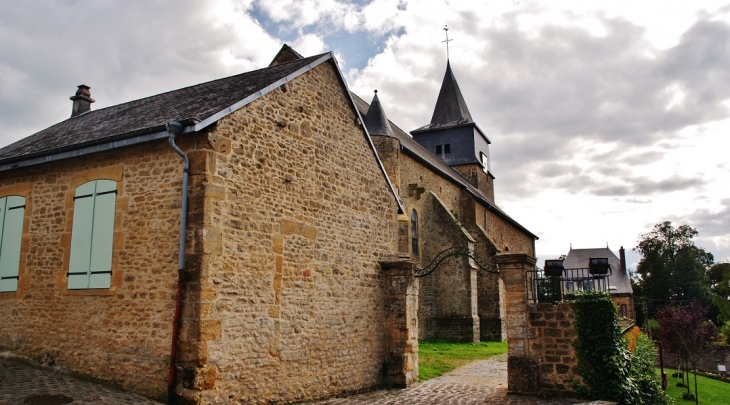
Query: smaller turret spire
[375, 121]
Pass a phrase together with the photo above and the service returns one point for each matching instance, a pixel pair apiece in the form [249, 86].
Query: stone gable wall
[122, 334]
[297, 218]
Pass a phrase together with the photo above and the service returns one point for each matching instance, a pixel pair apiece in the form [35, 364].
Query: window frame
[92, 240]
[114, 172]
[20, 190]
[485, 162]
[11, 241]
[415, 251]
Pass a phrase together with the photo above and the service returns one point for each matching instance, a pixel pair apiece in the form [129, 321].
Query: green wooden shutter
[11, 237]
[92, 235]
[100, 266]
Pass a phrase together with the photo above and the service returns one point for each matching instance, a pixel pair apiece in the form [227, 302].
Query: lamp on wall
[598, 266]
[554, 268]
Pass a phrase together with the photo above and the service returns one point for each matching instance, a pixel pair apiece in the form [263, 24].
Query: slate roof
[376, 121]
[578, 259]
[451, 109]
[422, 154]
[286, 54]
[191, 104]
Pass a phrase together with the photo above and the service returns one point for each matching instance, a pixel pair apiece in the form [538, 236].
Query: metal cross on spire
[446, 28]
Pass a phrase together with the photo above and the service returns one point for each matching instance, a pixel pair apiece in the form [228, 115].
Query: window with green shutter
[11, 236]
[90, 263]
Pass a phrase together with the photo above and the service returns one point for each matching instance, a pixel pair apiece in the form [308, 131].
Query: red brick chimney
[82, 101]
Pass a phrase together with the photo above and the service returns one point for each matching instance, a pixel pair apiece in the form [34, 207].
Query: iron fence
[554, 288]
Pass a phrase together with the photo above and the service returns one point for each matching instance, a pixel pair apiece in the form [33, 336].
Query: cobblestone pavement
[18, 381]
[481, 382]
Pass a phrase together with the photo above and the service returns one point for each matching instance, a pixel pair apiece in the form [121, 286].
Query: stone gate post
[401, 320]
[522, 372]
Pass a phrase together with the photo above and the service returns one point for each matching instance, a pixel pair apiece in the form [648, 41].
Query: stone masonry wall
[540, 358]
[627, 301]
[425, 191]
[448, 305]
[507, 237]
[551, 332]
[122, 334]
[297, 217]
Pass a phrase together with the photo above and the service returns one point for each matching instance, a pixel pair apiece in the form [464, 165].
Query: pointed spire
[375, 121]
[450, 106]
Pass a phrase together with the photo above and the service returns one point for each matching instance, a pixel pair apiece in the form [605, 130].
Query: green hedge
[610, 372]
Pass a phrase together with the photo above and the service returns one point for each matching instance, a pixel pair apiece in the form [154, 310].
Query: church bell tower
[455, 138]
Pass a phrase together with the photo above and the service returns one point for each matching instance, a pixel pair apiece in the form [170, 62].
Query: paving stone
[481, 382]
[19, 380]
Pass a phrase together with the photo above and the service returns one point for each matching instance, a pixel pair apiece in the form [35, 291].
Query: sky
[606, 117]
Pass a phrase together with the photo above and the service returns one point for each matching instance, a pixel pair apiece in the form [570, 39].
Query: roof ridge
[196, 102]
[200, 83]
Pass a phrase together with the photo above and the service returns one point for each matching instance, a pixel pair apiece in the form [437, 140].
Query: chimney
[82, 101]
[622, 257]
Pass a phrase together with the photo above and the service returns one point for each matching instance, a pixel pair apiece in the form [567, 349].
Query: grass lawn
[436, 357]
[711, 392]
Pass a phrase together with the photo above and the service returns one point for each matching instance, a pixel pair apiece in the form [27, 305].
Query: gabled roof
[376, 121]
[143, 120]
[578, 259]
[200, 104]
[451, 109]
[422, 154]
[286, 54]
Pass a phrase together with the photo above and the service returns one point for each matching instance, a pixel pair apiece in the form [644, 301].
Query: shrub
[643, 373]
[610, 371]
[603, 358]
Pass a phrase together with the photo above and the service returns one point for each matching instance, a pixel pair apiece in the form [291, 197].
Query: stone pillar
[473, 298]
[522, 372]
[401, 320]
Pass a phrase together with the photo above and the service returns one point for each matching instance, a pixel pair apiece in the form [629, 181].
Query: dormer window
[447, 148]
[438, 149]
[485, 162]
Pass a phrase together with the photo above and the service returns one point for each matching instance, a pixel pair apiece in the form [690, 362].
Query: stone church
[268, 237]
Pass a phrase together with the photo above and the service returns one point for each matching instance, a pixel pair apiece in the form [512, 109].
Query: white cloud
[612, 114]
[301, 13]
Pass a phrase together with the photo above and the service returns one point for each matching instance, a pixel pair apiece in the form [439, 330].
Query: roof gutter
[113, 142]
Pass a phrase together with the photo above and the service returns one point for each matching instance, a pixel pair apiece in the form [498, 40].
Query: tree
[719, 275]
[672, 268]
[685, 331]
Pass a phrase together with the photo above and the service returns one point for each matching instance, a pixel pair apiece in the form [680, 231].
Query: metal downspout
[175, 128]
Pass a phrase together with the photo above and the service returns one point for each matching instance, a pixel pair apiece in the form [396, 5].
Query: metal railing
[554, 288]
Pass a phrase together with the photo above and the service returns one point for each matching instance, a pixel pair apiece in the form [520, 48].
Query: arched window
[414, 233]
[92, 235]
